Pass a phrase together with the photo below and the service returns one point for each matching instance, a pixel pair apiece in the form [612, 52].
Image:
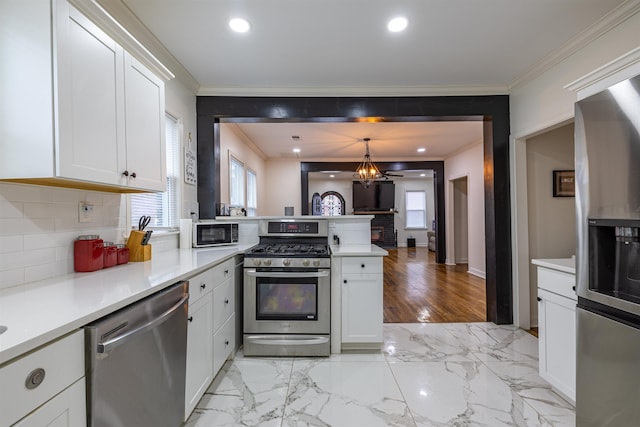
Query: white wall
[552, 220]
[233, 141]
[402, 186]
[282, 187]
[39, 224]
[467, 163]
[461, 220]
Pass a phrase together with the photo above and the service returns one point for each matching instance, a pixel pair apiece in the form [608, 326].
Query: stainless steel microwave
[214, 234]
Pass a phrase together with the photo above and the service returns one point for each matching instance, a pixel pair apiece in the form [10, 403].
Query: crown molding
[596, 30]
[303, 91]
[126, 19]
[621, 68]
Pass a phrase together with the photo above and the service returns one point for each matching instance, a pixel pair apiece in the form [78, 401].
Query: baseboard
[418, 245]
[462, 261]
[476, 272]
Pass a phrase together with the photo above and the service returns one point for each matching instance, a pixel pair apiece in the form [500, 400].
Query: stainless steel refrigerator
[607, 131]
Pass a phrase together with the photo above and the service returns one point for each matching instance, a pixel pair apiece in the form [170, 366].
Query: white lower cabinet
[46, 384]
[362, 290]
[67, 409]
[557, 330]
[199, 351]
[210, 330]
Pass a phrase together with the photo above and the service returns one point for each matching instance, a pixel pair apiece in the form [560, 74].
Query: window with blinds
[416, 209]
[252, 193]
[236, 182]
[162, 207]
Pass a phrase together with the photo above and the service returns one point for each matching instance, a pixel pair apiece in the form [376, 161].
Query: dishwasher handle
[109, 345]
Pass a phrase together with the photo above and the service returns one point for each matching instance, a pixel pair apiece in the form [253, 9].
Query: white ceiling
[342, 47]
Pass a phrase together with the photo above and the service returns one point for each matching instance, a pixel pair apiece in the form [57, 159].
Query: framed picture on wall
[564, 183]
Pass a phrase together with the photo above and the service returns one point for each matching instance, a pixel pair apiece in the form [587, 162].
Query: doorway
[460, 221]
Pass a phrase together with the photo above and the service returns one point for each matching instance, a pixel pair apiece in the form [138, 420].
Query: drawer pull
[344, 281]
[574, 288]
[226, 342]
[190, 318]
[202, 286]
[226, 301]
[362, 265]
[35, 378]
[539, 299]
[226, 272]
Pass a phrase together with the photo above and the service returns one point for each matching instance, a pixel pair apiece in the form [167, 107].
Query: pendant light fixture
[367, 172]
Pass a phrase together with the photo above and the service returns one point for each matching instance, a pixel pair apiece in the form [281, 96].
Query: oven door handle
[254, 273]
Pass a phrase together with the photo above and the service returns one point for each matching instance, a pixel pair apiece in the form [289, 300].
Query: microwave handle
[254, 273]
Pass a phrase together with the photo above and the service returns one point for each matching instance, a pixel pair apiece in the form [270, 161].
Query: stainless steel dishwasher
[136, 360]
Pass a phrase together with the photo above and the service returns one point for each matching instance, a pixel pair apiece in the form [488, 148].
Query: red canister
[88, 253]
[123, 253]
[110, 254]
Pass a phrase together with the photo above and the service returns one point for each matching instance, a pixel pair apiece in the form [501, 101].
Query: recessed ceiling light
[421, 150]
[397, 24]
[239, 25]
[296, 150]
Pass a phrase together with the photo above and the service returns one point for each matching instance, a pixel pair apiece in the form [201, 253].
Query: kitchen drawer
[558, 282]
[63, 364]
[223, 343]
[366, 265]
[223, 303]
[200, 285]
[223, 271]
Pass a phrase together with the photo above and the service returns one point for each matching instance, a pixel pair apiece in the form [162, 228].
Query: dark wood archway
[492, 110]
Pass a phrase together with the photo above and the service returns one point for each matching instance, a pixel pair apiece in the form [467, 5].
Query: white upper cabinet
[88, 115]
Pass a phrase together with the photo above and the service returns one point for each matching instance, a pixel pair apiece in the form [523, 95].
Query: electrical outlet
[85, 212]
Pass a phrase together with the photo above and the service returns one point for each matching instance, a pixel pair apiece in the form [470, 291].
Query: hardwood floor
[416, 289]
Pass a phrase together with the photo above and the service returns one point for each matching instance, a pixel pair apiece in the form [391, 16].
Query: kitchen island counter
[39, 312]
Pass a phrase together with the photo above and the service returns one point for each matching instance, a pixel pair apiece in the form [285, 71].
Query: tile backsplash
[39, 224]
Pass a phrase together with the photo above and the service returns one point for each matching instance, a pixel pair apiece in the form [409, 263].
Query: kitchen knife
[146, 238]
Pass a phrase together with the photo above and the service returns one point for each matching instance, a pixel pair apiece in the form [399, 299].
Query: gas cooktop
[289, 250]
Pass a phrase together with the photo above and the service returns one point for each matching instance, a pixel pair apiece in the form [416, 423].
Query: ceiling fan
[386, 175]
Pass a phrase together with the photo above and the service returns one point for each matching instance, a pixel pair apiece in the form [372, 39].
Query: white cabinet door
[145, 127]
[557, 341]
[67, 409]
[224, 343]
[199, 351]
[361, 308]
[89, 139]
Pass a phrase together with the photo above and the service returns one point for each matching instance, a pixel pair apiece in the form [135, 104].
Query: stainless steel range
[287, 290]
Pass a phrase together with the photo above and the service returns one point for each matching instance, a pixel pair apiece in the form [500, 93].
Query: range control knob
[306, 262]
[257, 261]
[267, 262]
[316, 263]
[286, 262]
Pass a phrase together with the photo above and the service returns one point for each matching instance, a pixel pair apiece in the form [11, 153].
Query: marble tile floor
[447, 374]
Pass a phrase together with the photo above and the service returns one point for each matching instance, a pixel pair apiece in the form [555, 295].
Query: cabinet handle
[35, 378]
[226, 342]
[190, 318]
[226, 272]
[344, 281]
[202, 286]
[133, 175]
[125, 173]
[539, 299]
[574, 288]
[226, 301]
[362, 265]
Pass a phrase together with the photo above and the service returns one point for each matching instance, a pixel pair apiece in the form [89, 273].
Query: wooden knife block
[138, 252]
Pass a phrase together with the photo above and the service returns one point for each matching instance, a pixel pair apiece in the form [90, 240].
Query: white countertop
[568, 265]
[39, 312]
[357, 250]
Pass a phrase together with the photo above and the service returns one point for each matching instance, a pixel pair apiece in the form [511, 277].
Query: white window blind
[252, 193]
[236, 182]
[416, 209]
[162, 207]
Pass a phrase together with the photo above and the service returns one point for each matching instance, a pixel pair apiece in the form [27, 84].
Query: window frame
[423, 210]
[243, 186]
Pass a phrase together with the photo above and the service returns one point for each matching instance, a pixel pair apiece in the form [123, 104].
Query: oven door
[287, 302]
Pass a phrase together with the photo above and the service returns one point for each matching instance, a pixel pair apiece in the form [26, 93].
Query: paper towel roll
[185, 233]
